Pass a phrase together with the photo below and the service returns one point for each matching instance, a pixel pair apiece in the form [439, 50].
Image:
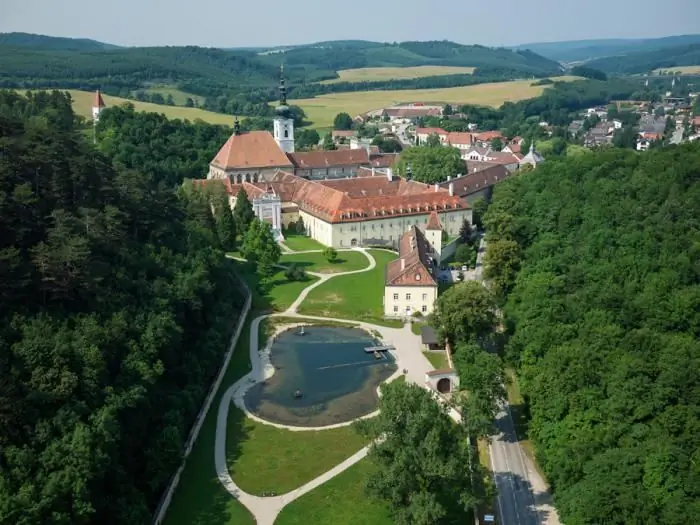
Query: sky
[258, 23]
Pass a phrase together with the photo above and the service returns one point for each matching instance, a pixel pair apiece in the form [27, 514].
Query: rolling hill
[583, 50]
[52, 42]
[645, 61]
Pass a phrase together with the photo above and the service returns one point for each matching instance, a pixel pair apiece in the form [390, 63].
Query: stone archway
[444, 385]
[353, 242]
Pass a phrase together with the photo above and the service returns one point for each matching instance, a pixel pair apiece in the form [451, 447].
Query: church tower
[284, 123]
[97, 106]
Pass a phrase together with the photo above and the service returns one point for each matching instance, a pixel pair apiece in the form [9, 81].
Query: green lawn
[265, 459]
[341, 500]
[278, 294]
[357, 297]
[416, 327]
[437, 359]
[316, 262]
[299, 243]
[200, 498]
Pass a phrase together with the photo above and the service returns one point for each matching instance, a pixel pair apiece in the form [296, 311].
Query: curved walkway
[410, 357]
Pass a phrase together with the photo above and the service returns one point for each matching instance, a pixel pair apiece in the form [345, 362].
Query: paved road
[523, 498]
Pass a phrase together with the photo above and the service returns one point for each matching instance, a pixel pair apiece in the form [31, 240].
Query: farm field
[179, 97]
[369, 74]
[322, 110]
[82, 104]
[684, 70]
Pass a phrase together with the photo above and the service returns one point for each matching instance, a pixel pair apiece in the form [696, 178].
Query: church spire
[236, 127]
[283, 88]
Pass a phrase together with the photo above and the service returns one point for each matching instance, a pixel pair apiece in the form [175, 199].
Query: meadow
[83, 100]
[371, 74]
[179, 97]
[322, 110]
[683, 70]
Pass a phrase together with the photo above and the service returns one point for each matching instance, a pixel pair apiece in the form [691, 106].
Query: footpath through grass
[264, 459]
[200, 498]
[358, 297]
[341, 500]
[316, 262]
[278, 294]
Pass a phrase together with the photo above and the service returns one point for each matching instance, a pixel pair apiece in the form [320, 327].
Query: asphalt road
[516, 501]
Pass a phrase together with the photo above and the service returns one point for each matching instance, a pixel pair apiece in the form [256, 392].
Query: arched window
[286, 133]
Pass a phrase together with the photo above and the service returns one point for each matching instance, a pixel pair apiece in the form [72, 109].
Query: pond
[321, 378]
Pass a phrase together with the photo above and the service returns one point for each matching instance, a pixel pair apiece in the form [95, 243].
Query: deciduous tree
[465, 312]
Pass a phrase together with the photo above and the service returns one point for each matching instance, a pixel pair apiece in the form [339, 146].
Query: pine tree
[225, 224]
[243, 212]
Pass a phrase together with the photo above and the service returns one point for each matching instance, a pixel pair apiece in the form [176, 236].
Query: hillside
[52, 42]
[603, 323]
[582, 50]
[645, 61]
[361, 54]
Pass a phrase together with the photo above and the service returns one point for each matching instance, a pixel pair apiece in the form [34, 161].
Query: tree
[464, 313]
[659, 112]
[424, 467]
[464, 253]
[433, 141]
[447, 110]
[386, 145]
[497, 144]
[501, 265]
[465, 232]
[243, 213]
[260, 248]
[479, 207]
[300, 227]
[170, 101]
[431, 164]
[481, 374]
[189, 103]
[331, 254]
[626, 137]
[306, 138]
[225, 223]
[328, 144]
[294, 272]
[342, 121]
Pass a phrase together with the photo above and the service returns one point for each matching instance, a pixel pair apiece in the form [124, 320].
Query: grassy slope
[341, 500]
[83, 100]
[265, 459]
[684, 70]
[301, 242]
[437, 359]
[316, 262]
[369, 74]
[357, 297]
[179, 97]
[323, 109]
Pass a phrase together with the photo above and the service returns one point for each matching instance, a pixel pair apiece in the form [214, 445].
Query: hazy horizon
[216, 23]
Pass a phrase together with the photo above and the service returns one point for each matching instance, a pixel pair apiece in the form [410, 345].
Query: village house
[478, 184]
[410, 282]
[341, 136]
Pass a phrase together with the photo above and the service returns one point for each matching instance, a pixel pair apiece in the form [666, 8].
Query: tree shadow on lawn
[306, 264]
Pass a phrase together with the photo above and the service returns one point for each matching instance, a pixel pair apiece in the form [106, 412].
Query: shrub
[331, 254]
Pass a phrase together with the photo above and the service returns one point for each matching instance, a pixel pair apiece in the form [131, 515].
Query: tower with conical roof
[97, 106]
[283, 125]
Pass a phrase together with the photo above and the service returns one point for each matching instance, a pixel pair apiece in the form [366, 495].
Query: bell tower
[283, 125]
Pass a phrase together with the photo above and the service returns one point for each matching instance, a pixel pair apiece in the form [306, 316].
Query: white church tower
[284, 123]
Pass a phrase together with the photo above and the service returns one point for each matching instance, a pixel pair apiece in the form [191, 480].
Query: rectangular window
[396, 297]
[425, 296]
[396, 308]
[408, 296]
[423, 308]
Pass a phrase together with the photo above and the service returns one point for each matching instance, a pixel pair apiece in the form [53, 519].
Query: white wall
[405, 300]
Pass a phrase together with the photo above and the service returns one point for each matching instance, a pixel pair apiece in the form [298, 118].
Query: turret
[97, 106]
[283, 124]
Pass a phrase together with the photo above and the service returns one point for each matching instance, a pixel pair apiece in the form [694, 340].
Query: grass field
[322, 110]
[264, 459]
[278, 294]
[340, 500]
[684, 70]
[357, 297]
[298, 243]
[437, 359]
[82, 104]
[316, 262]
[179, 97]
[200, 499]
[369, 74]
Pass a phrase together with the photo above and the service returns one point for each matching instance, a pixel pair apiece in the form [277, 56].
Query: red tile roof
[343, 133]
[327, 159]
[254, 149]
[433, 222]
[502, 157]
[98, 102]
[458, 137]
[385, 160]
[488, 136]
[430, 131]
[412, 266]
[477, 181]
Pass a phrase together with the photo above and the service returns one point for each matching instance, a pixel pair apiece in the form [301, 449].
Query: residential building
[410, 283]
[478, 184]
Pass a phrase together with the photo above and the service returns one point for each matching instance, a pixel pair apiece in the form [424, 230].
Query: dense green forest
[604, 324]
[117, 306]
[580, 50]
[645, 61]
[243, 81]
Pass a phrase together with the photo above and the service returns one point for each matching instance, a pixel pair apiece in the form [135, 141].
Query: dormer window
[417, 277]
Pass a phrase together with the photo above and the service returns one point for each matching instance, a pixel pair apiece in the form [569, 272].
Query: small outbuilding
[429, 338]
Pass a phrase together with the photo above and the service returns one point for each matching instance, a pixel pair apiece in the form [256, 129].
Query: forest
[595, 260]
[117, 307]
[646, 61]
